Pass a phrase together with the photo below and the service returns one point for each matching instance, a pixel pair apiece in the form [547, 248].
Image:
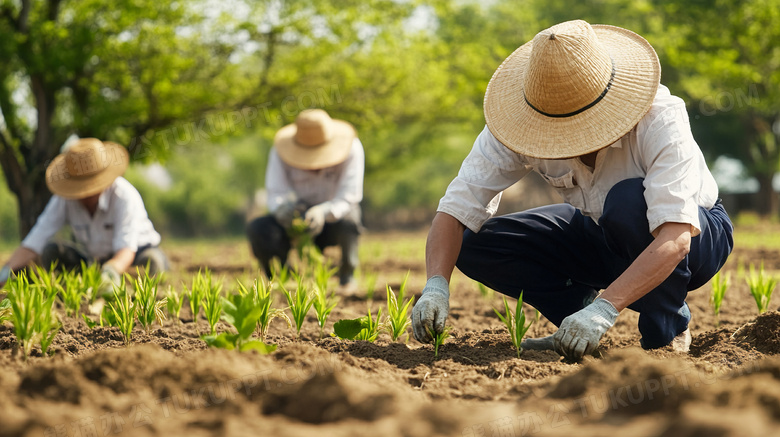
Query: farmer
[581, 105]
[315, 172]
[106, 214]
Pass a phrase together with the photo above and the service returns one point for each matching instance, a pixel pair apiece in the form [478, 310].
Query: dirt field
[169, 383]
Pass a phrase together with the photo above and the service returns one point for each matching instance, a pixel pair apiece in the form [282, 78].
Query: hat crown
[86, 157]
[313, 128]
[568, 69]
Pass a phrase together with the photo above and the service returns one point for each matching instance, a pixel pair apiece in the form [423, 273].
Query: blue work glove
[580, 333]
[315, 218]
[430, 311]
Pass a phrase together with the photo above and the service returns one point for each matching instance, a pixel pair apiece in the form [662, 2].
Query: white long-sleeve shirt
[340, 185]
[660, 149]
[119, 222]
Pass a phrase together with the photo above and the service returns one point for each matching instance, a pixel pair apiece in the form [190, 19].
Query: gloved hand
[430, 312]
[315, 218]
[284, 213]
[580, 333]
[109, 277]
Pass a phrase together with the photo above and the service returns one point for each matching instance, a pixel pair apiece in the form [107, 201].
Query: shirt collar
[103, 200]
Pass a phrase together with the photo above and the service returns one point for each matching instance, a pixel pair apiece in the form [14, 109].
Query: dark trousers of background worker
[269, 240]
[69, 256]
[559, 259]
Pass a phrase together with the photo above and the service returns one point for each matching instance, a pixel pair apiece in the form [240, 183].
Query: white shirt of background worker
[106, 213]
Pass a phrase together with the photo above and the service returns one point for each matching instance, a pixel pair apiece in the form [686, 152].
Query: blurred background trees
[200, 87]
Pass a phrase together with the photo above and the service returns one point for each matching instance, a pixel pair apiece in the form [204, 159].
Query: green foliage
[324, 302]
[300, 302]
[263, 299]
[174, 300]
[720, 283]
[438, 340]
[196, 294]
[485, 291]
[398, 313]
[5, 310]
[370, 284]
[71, 293]
[242, 312]
[363, 328]
[515, 323]
[47, 280]
[212, 302]
[91, 280]
[761, 287]
[31, 314]
[148, 308]
[123, 311]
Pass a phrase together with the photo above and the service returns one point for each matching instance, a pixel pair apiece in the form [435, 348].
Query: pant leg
[549, 254]
[154, 258]
[268, 240]
[343, 233]
[663, 313]
[66, 255]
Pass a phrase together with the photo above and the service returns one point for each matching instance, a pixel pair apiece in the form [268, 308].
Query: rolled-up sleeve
[674, 176]
[48, 223]
[350, 189]
[276, 184]
[490, 168]
[130, 218]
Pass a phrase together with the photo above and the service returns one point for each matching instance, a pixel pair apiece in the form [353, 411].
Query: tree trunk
[31, 200]
[767, 199]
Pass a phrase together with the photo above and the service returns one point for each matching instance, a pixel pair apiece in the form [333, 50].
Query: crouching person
[315, 171]
[105, 212]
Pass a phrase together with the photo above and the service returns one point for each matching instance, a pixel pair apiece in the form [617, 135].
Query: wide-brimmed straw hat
[86, 168]
[314, 141]
[572, 90]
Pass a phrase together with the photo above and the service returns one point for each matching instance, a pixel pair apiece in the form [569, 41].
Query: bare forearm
[652, 267]
[443, 245]
[122, 260]
[22, 257]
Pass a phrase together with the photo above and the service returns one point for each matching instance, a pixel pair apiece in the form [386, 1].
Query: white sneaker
[682, 343]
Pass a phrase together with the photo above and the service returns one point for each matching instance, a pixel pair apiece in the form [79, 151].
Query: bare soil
[169, 383]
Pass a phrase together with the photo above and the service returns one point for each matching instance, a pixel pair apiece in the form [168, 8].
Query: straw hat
[87, 168]
[314, 141]
[572, 90]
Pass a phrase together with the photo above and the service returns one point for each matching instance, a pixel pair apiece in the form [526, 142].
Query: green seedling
[438, 340]
[148, 308]
[242, 313]
[263, 298]
[515, 323]
[402, 287]
[5, 310]
[71, 293]
[91, 280]
[397, 314]
[720, 284]
[300, 302]
[324, 302]
[280, 274]
[761, 287]
[174, 300]
[47, 281]
[212, 303]
[198, 291]
[363, 328]
[485, 291]
[32, 315]
[123, 310]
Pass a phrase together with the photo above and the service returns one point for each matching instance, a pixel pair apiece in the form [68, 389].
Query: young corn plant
[438, 340]
[515, 323]
[212, 303]
[397, 314]
[196, 294]
[148, 308]
[363, 328]
[761, 287]
[91, 280]
[31, 314]
[242, 313]
[71, 293]
[47, 281]
[300, 302]
[123, 311]
[720, 283]
[173, 302]
[324, 302]
[263, 298]
[5, 311]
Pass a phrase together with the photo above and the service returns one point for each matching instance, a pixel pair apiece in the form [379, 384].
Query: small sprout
[174, 301]
[5, 310]
[242, 313]
[148, 308]
[515, 323]
[300, 302]
[761, 287]
[31, 314]
[198, 291]
[263, 298]
[71, 293]
[47, 281]
[363, 328]
[324, 302]
[397, 313]
[212, 303]
[123, 310]
[720, 283]
[280, 274]
[372, 327]
[485, 291]
[438, 340]
[91, 280]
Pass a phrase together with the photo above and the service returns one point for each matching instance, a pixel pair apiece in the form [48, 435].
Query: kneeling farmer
[104, 210]
[582, 106]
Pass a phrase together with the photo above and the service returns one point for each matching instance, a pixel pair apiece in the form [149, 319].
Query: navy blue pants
[559, 259]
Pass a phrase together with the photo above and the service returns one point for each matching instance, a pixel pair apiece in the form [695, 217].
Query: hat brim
[67, 186]
[524, 130]
[332, 152]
